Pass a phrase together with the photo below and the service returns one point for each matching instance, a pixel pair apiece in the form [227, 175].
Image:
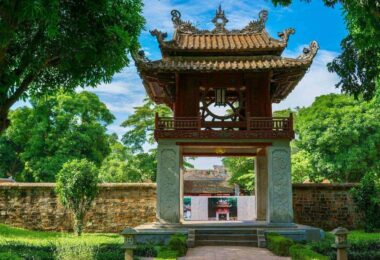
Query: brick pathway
[230, 253]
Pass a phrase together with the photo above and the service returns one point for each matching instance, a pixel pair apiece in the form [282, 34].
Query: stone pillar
[168, 183]
[261, 184]
[280, 208]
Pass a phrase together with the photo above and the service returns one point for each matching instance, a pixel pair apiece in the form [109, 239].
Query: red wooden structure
[240, 70]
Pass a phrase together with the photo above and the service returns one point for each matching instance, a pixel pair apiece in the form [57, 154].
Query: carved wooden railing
[251, 124]
[270, 123]
[177, 123]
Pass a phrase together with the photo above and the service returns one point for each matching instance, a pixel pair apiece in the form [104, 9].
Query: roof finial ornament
[257, 26]
[219, 20]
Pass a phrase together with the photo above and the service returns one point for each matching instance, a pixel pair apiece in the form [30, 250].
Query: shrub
[323, 246]
[146, 250]
[77, 187]
[167, 255]
[177, 242]
[301, 252]
[77, 251]
[28, 251]
[278, 244]
[110, 251]
[367, 200]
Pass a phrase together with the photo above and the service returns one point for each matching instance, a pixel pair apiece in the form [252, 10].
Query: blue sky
[312, 21]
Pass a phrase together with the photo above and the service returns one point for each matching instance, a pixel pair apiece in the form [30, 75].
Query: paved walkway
[230, 253]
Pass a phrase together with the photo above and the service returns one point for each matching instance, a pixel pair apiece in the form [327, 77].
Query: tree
[77, 187]
[358, 66]
[341, 135]
[10, 163]
[54, 130]
[121, 165]
[367, 200]
[141, 124]
[46, 45]
[241, 171]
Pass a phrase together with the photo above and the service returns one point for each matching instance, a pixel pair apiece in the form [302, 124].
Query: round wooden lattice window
[234, 107]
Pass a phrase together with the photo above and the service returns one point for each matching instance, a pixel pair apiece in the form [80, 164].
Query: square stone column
[280, 207]
[168, 183]
[261, 184]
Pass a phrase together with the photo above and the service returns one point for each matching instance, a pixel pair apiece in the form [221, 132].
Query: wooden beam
[232, 144]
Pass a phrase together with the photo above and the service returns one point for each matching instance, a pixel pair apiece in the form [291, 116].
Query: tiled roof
[208, 186]
[224, 42]
[206, 64]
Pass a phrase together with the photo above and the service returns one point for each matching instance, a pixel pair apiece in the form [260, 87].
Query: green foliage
[121, 165]
[359, 64]
[146, 250]
[323, 246]
[301, 252]
[339, 136]
[9, 256]
[141, 123]
[278, 244]
[54, 130]
[49, 44]
[241, 170]
[77, 187]
[177, 243]
[32, 245]
[10, 163]
[302, 167]
[80, 251]
[362, 245]
[367, 200]
[142, 164]
[167, 255]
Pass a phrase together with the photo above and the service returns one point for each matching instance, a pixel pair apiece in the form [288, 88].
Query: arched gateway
[244, 71]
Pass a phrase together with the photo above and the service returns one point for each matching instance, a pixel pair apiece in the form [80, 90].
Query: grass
[43, 238]
[360, 235]
[39, 245]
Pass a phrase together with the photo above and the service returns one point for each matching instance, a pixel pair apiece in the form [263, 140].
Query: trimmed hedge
[177, 242]
[42, 252]
[301, 252]
[176, 247]
[278, 244]
[167, 255]
[363, 246]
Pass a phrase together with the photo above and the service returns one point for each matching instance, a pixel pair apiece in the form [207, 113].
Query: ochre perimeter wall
[35, 206]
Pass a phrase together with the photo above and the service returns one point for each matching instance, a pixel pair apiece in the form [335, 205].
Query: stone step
[226, 243]
[250, 237]
[225, 231]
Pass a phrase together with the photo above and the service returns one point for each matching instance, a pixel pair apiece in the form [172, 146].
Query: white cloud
[239, 13]
[317, 81]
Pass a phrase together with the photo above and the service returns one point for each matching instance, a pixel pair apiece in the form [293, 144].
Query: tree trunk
[78, 224]
[4, 121]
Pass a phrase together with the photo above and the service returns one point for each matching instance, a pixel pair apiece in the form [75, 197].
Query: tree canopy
[122, 165]
[340, 137]
[54, 130]
[358, 66]
[46, 45]
[141, 124]
[241, 171]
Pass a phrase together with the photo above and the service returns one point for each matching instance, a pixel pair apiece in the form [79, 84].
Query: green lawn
[19, 235]
[38, 245]
[359, 235]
